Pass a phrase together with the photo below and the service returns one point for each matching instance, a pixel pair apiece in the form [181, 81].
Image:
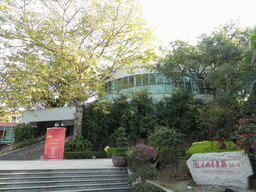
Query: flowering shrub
[216, 120]
[246, 134]
[246, 137]
[139, 161]
[140, 154]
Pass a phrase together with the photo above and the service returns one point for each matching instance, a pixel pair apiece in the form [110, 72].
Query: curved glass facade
[156, 83]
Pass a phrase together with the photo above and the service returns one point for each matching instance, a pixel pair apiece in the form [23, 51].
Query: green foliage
[144, 187]
[99, 123]
[23, 131]
[166, 142]
[28, 143]
[180, 112]
[217, 121]
[143, 171]
[79, 144]
[101, 120]
[84, 155]
[163, 139]
[250, 104]
[121, 140]
[117, 151]
[245, 136]
[205, 147]
[220, 55]
[139, 118]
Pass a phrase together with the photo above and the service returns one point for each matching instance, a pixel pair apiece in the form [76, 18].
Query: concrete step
[102, 179]
[65, 187]
[61, 178]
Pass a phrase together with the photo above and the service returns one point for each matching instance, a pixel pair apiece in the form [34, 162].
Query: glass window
[207, 91]
[152, 78]
[118, 84]
[180, 83]
[168, 84]
[131, 81]
[201, 83]
[187, 83]
[160, 83]
[138, 80]
[113, 87]
[152, 81]
[144, 79]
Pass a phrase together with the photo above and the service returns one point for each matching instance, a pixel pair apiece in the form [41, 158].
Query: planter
[119, 161]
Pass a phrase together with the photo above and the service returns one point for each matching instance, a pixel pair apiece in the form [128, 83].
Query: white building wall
[53, 114]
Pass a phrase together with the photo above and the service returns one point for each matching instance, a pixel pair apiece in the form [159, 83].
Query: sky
[187, 19]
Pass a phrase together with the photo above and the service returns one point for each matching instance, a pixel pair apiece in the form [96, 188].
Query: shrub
[205, 147]
[121, 140]
[23, 132]
[79, 144]
[27, 143]
[180, 111]
[165, 141]
[139, 161]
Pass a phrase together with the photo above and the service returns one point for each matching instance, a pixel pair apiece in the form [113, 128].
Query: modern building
[159, 85]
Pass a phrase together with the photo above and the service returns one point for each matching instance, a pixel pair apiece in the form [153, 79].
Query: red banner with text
[54, 143]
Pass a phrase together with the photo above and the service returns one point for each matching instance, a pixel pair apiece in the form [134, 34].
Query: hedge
[205, 147]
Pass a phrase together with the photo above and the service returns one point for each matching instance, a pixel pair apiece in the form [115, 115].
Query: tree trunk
[78, 118]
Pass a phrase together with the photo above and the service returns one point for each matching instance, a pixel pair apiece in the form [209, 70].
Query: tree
[70, 47]
[216, 60]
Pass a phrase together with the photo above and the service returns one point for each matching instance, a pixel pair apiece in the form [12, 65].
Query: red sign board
[54, 143]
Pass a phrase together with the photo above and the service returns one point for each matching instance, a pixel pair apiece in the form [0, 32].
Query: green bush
[28, 143]
[121, 139]
[79, 144]
[180, 112]
[205, 147]
[84, 155]
[23, 132]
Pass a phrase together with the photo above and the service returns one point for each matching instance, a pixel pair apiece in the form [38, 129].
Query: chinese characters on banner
[217, 164]
[54, 143]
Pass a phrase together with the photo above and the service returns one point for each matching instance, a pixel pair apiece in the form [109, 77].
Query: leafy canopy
[69, 48]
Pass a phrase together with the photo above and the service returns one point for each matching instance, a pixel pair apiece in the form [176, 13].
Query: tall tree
[210, 60]
[70, 47]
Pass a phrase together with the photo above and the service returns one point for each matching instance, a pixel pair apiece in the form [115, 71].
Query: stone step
[60, 172]
[61, 182]
[101, 179]
[82, 187]
[70, 178]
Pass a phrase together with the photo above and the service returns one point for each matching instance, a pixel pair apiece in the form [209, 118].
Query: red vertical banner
[54, 143]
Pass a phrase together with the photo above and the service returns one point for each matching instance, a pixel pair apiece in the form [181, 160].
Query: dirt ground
[179, 182]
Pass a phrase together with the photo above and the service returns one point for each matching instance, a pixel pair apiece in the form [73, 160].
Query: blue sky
[187, 19]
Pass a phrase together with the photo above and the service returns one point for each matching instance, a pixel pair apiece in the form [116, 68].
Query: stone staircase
[101, 179]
